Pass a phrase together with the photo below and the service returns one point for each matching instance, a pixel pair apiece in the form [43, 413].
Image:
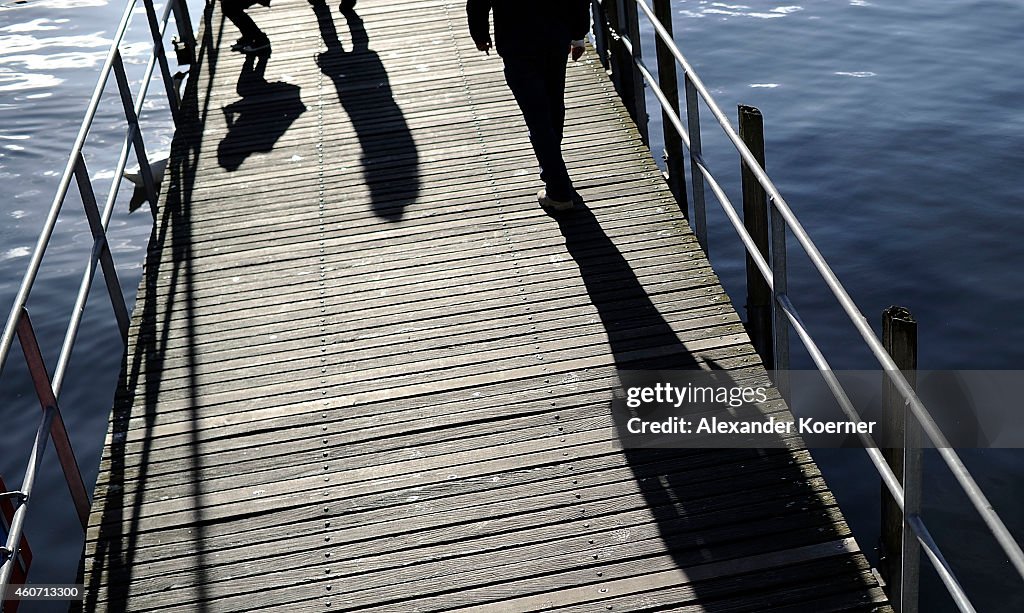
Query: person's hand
[485, 46]
[577, 49]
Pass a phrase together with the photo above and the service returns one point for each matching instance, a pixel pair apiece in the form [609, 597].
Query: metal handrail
[18, 322]
[782, 211]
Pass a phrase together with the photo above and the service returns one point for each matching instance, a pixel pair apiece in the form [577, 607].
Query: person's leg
[234, 10]
[554, 83]
[525, 77]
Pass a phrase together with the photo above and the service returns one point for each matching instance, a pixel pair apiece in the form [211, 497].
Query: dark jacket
[529, 27]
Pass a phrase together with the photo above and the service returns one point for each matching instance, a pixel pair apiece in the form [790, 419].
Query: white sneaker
[553, 205]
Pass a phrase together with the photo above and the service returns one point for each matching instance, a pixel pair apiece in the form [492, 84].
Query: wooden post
[899, 337]
[629, 82]
[755, 218]
[622, 73]
[601, 35]
[631, 28]
[669, 83]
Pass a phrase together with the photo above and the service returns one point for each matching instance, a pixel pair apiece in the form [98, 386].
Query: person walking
[253, 40]
[533, 38]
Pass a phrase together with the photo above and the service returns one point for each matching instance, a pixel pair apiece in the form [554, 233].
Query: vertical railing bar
[17, 526]
[780, 287]
[145, 170]
[158, 49]
[700, 223]
[910, 552]
[58, 432]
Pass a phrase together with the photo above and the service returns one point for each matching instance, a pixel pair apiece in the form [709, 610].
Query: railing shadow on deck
[703, 514]
[113, 562]
[264, 113]
[390, 160]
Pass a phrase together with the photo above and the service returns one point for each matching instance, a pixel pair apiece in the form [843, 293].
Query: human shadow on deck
[260, 117]
[390, 161]
[710, 505]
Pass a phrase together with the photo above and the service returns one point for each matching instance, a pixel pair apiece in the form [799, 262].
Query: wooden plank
[438, 506]
[527, 535]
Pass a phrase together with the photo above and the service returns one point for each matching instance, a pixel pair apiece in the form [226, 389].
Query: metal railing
[51, 425]
[617, 35]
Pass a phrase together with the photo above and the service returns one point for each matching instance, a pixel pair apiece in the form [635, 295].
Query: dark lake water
[893, 130]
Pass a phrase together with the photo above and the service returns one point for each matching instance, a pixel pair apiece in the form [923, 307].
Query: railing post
[631, 23]
[700, 223]
[780, 287]
[601, 34]
[900, 551]
[755, 218]
[669, 83]
[623, 75]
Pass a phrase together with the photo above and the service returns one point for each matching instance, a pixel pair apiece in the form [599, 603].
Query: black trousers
[234, 10]
[538, 84]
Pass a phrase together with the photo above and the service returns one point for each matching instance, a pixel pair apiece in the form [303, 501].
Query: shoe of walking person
[550, 204]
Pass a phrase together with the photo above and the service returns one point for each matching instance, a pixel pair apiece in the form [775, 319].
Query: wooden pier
[367, 372]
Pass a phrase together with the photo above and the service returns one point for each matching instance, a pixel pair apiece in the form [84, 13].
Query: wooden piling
[755, 218]
[669, 83]
[899, 337]
[623, 20]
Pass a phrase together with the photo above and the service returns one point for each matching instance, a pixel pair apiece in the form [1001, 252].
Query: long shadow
[740, 501]
[260, 117]
[390, 161]
[168, 260]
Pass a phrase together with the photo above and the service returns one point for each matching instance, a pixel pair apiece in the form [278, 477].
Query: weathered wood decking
[368, 372]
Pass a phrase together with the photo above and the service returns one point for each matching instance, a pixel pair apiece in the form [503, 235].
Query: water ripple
[17, 81]
[16, 252]
[34, 25]
[742, 10]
